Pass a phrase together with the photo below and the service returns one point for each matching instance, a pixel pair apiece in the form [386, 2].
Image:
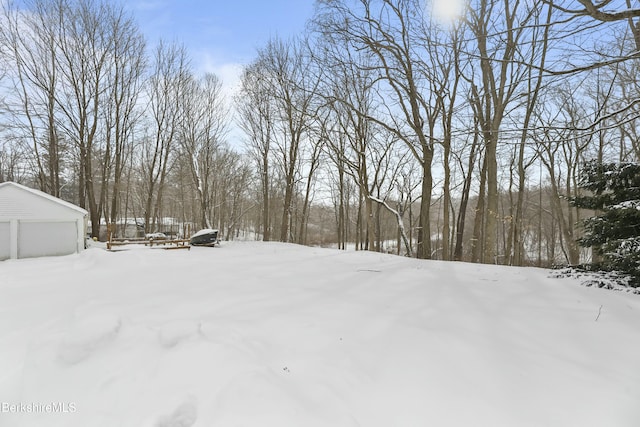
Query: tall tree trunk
[266, 229]
[477, 239]
[424, 225]
[464, 200]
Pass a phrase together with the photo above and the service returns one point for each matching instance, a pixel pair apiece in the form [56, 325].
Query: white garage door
[46, 238]
[5, 246]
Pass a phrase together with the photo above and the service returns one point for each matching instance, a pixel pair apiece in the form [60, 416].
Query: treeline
[90, 115]
[458, 140]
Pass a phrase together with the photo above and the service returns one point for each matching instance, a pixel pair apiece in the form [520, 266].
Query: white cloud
[228, 72]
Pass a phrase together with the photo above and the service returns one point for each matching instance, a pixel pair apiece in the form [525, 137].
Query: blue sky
[221, 35]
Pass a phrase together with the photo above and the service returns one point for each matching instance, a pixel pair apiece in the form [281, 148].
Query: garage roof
[14, 207]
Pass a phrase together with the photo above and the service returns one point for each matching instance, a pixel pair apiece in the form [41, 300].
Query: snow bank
[267, 334]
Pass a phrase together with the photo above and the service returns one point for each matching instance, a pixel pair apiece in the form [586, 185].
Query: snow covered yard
[268, 334]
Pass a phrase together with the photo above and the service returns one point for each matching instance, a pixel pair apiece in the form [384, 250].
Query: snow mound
[172, 333]
[184, 415]
[278, 335]
[87, 335]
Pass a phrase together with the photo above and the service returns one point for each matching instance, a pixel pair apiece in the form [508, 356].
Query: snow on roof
[43, 195]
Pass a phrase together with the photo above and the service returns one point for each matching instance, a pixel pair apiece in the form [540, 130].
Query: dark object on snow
[205, 237]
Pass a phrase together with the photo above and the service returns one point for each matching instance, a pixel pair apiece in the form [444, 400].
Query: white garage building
[34, 224]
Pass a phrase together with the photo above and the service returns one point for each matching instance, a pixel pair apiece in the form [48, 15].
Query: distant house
[35, 224]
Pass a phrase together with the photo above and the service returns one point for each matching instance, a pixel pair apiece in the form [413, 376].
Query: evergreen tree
[614, 233]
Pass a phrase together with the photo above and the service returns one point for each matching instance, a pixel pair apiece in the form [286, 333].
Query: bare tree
[164, 91]
[351, 141]
[498, 28]
[256, 117]
[442, 62]
[393, 166]
[311, 155]
[121, 104]
[234, 190]
[292, 83]
[561, 149]
[11, 162]
[78, 67]
[628, 106]
[538, 49]
[202, 131]
[85, 37]
[601, 11]
[29, 43]
[387, 31]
